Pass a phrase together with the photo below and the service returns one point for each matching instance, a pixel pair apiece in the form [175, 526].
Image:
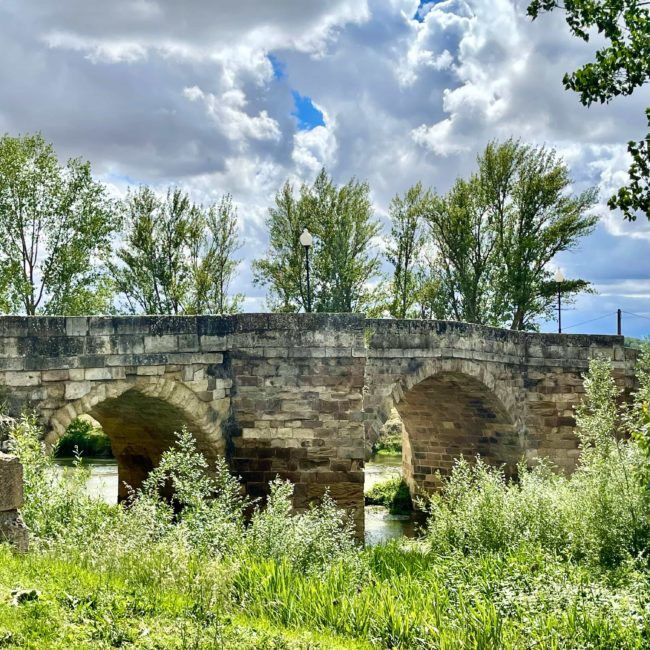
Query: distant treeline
[479, 253]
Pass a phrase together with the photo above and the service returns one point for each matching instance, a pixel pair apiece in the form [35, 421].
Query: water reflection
[103, 479]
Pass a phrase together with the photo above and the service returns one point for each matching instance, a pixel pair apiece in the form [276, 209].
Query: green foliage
[548, 562]
[497, 232]
[638, 421]
[621, 66]
[635, 196]
[83, 438]
[388, 445]
[213, 263]
[340, 220]
[177, 256]
[308, 542]
[597, 515]
[411, 598]
[393, 494]
[55, 223]
[82, 608]
[56, 511]
[409, 291]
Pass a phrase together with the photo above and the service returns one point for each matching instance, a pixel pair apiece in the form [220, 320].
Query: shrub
[54, 509]
[82, 437]
[309, 541]
[388, 445]
[393, 494]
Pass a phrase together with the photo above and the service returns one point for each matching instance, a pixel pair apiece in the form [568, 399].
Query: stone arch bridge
[304, 396]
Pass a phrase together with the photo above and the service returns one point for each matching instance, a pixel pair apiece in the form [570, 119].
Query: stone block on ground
[11, 483]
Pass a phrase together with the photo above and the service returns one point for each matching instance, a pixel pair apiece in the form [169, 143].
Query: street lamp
[307, 241]
[559, 279]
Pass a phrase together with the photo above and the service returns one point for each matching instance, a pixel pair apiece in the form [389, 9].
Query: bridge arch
[452, 408]
[140, 417]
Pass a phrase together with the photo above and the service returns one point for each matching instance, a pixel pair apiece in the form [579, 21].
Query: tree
[620, 67]
[56, 222]
[465, 239]
[340, 220]
[176, 257]
[403, 249]
[497, 233]
[525, 189]
[213, 264]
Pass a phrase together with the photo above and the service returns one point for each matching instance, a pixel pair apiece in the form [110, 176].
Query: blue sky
[239, 97]
[307, 115]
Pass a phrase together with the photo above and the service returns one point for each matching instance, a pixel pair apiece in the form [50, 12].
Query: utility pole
[619, 328]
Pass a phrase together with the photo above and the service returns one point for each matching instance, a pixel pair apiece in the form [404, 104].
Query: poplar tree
[403, 247]
[176, 257]
[497, 233]
[343, 264]
[56, 223]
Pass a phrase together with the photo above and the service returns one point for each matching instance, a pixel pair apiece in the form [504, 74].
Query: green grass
[392, 596]
[81, 608]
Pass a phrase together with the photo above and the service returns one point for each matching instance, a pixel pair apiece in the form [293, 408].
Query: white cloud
[314, 149]
[166, 92]
[227, 111]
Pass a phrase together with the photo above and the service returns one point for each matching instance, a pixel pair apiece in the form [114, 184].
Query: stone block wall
[12, 528]
[298, 406]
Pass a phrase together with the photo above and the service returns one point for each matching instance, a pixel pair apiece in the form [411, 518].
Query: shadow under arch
[140, 418]
[455, 408]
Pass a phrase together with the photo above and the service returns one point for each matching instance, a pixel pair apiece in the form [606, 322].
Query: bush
[54, 509]
[598, 514]
[393, 494]
[388, 445]
[310, 541]
[83, 438]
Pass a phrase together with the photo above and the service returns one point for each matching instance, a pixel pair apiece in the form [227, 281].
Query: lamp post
[307, 241]
[559, 279]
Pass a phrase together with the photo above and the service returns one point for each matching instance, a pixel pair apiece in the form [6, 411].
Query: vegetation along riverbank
[549, 561]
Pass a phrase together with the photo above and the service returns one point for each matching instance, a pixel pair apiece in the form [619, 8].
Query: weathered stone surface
[304, 396]
[11, 483]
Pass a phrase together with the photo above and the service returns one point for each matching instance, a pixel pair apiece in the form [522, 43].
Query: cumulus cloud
[201, 94]
[230, 118]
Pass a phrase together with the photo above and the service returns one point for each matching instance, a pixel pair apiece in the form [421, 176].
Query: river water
[380, 525]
